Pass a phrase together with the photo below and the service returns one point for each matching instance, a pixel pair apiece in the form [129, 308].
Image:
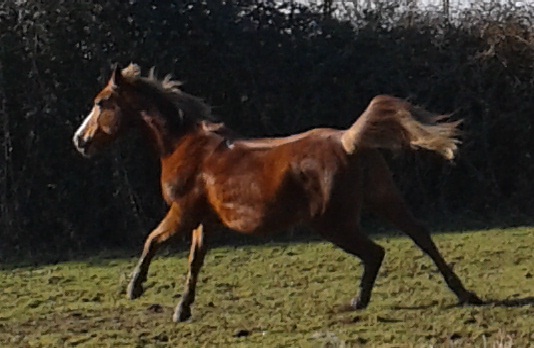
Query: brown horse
[320, 178]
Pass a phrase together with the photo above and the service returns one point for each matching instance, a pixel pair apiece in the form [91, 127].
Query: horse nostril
[80, 142]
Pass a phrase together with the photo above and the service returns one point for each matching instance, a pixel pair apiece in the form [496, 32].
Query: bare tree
[446, 7]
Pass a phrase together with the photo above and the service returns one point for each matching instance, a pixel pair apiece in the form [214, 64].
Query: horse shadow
[506, 303]
[510, 303]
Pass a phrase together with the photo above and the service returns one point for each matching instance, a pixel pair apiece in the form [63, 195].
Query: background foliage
[267, 69]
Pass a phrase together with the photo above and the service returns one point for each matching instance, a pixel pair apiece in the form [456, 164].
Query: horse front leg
[196, 260]
[170, 226]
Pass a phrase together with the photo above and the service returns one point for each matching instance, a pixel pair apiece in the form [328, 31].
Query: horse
[320, 179]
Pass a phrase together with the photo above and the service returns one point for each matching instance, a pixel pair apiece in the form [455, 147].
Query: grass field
[281, 295]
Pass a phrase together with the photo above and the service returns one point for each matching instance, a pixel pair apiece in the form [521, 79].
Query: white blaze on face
[81, 131]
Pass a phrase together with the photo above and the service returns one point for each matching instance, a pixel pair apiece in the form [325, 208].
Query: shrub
[267, 69]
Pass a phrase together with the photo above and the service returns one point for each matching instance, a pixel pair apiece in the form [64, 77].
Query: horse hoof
[134, 290]
[358, 304]
[182, 315]
[471, 298]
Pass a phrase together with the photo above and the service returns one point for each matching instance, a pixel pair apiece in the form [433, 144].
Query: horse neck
[163, 135]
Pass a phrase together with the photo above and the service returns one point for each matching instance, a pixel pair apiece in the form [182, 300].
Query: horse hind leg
[352, 241]
[384, 200]
[400, 216]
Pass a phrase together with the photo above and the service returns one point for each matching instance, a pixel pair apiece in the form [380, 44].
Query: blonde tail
[392, 123]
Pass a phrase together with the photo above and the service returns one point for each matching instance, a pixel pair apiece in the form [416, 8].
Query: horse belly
[247, 220]
[254, 211]
[240, 217]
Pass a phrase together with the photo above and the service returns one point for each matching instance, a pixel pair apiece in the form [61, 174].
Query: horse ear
[116, 77]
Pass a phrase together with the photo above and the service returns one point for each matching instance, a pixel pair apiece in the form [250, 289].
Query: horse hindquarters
[383, 198]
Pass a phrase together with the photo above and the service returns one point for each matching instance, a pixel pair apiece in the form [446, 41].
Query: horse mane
[177, 108]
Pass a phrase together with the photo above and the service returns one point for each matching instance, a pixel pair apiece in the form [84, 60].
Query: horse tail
[392, 123]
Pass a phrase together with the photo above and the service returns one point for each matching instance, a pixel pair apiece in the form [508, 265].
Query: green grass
[281, 296]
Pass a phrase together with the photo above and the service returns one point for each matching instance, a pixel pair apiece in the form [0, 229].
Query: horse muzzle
[82, 144]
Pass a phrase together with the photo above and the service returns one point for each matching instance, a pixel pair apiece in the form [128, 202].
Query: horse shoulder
[181, 171]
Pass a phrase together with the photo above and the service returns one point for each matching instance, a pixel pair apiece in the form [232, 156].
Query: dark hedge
[267, 69]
